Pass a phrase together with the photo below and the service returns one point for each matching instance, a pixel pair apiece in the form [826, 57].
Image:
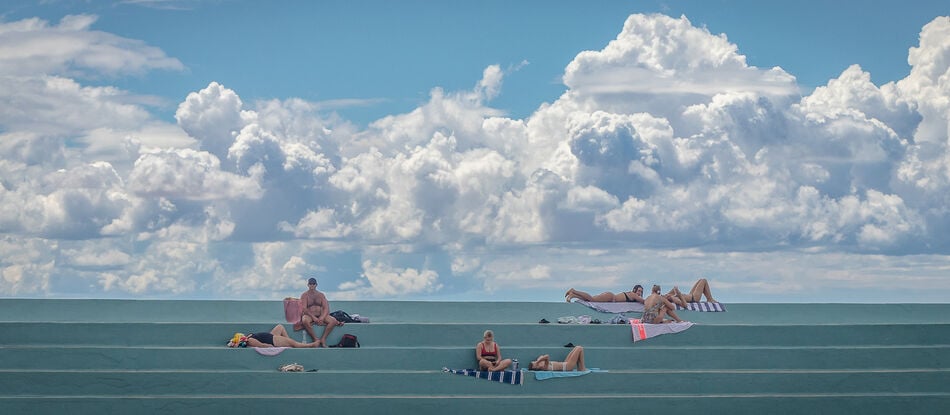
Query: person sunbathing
[573, 361]
[276, 337]
[700, 289]
[634, 295]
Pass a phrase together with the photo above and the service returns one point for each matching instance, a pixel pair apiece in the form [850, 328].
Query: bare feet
[567, 295]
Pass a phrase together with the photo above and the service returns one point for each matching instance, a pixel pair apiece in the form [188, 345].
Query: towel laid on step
[702, 306]
[511, 377]
[643, 331]
[630, 307]
[614, 308]
[551, 374]
[269, 351]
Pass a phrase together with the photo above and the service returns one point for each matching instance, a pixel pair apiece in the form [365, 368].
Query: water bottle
[514, 364]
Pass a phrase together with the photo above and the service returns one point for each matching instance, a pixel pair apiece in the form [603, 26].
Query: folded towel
[549, 374]
[702, 306]
[643, 331]
[613, 307]
[511, 377]
[269, 351]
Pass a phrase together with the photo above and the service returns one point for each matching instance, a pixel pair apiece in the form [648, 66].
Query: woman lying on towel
[277, 337]
[488, 354]
[635, 295]
[656, 307]
[700, 289]
[573, 361]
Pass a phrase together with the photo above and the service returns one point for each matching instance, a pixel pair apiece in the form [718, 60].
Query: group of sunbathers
[656, 306]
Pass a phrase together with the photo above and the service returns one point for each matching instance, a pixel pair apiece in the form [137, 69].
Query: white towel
[546, 374]
[643, 331]
[269, 351]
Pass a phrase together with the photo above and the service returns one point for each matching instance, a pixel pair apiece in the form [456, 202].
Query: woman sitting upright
[488, 354]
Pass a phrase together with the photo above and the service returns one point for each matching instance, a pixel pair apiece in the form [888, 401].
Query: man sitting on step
[315, 310]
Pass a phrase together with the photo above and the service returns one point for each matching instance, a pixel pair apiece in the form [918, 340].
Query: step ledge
[436, 371]
[497, 397]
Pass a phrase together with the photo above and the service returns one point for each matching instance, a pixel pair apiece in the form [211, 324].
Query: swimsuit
[650, 315]
[266, 338]
[489, 356]
[628, 298]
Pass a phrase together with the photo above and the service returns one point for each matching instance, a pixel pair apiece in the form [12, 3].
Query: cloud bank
[666, 151]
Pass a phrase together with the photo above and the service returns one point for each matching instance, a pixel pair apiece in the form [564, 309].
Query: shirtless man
[316, 310]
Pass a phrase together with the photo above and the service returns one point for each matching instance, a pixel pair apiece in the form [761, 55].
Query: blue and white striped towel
[511, 377]
[702, 306]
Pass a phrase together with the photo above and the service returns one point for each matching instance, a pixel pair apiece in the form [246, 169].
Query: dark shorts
[264, 337]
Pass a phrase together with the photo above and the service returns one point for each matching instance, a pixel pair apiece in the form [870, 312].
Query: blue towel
[551, 374]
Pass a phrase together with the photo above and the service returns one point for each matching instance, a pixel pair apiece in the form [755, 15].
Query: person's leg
[281, 341]
[502, 365]
[667, 309]
[308, 326]
[330, 324]
[279, 330]
[572, 294]
[707, 292]
[700, 288]
[575, 359]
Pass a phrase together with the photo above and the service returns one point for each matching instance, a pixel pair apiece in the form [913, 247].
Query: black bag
[348, 340]
[343, 317]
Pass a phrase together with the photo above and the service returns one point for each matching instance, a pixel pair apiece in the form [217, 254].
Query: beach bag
[343, 317]
[348, 340]
[292, 310]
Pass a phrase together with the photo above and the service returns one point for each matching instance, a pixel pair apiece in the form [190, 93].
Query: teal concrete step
[865, 404]
[429, 358]
[168, 356]
[271, 312]
[162, 383]
[512, 334]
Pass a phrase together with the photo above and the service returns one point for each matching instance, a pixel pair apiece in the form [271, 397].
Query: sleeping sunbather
[635, 295]
[276, 337]
[700, 289]
[573, 361]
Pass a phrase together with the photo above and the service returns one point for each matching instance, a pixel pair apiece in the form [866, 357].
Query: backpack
[348, 340]
[343, 317]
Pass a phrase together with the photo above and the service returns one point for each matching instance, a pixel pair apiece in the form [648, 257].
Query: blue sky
[474, 150]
